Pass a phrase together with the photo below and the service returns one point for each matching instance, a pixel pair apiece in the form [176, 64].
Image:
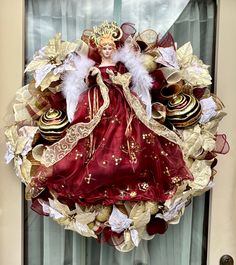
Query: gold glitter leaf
[57, 50]
[36, 64]
[139, 216]
[50, 77]
[184, 54]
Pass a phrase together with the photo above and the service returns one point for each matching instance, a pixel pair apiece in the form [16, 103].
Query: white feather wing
[74, 83]
[142, 81]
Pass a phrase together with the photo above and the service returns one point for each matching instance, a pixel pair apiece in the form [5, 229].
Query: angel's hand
[110, 72]
[121, 79]
[93, 71]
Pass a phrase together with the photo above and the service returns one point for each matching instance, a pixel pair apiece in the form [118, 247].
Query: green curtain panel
[47, 243]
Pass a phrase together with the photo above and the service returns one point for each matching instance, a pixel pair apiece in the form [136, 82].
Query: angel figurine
[113, 149]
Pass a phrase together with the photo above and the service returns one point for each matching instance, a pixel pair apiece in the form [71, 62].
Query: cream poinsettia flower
[197, 140]
[193, 70]
[19, 141]
[132, 226]
[49, 62]
[76, 220]
[202, 173]
[19, 144]
[140, 217]
[23, 98]
[174, 208]
[118, 221]
[81, 221]
[199, 192]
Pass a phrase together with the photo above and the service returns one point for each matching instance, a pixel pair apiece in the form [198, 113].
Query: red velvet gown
[120, 160]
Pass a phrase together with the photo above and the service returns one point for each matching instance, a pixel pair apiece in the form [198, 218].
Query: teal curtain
[47, 243]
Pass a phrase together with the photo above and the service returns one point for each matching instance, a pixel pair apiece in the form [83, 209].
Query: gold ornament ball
[103, 213]
[52, 124]
[91, 225]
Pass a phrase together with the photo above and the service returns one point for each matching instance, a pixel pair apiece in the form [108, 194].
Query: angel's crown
[108, 29]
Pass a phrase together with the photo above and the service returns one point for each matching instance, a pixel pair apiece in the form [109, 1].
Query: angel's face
[106, 51]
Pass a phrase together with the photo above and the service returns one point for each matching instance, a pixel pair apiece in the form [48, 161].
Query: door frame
[222, 212]
[11, 78]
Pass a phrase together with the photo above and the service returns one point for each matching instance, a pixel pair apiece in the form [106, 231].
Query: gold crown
[106, 29]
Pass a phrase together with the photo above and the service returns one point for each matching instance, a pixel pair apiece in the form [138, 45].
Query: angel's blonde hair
[106, 40]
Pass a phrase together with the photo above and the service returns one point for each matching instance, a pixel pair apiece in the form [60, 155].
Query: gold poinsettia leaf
[21, 113]
[55, 89]
[181, 191]
[196, 72]
[66, 48]
[26, 170]
[208, 141]
[184, 54]
[11, 135]
[60, 207]
[50, 77]
[137, 209]
[23, 97]
[80, 228]
[139, 216]
[196, 76]
[51, 50]
[152, 206]
[64, 221]
[201, 170]
[85, 218]
[141, 220]
[16, 141]
[36, 64]
[192, 143]
[201, 191]
[82, 47]
[22, 94]
[58, 49]
[78, 209]
[193, 70]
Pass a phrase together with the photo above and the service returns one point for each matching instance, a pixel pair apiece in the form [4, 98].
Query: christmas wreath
[115, 133]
